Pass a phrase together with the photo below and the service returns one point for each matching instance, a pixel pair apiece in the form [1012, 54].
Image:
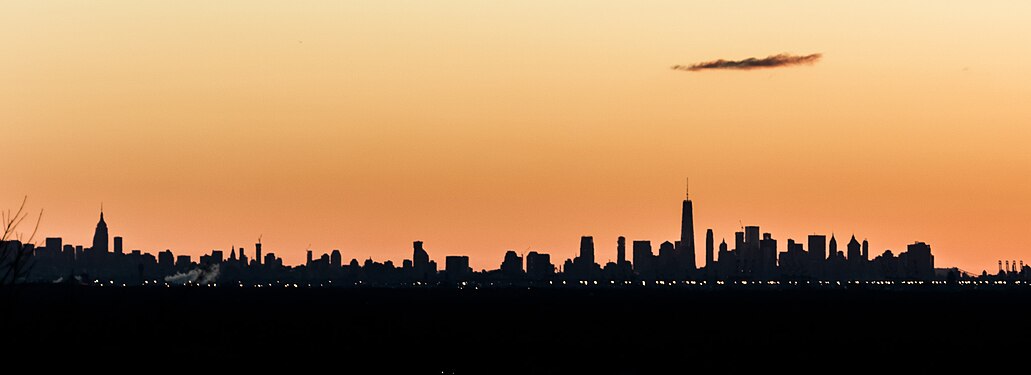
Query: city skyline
[482, 126]
[687, 255]
[754, 257]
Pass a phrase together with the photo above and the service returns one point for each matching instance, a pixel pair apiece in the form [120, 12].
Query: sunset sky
[482, 126]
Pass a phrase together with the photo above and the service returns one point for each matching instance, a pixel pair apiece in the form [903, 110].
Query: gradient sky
[481, 126]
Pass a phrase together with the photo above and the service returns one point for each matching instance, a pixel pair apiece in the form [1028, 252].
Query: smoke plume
[750, 63]
[196, 275]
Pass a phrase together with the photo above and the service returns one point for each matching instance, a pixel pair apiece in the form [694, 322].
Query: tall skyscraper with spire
[100, 235]
[686, 251]
[833, 248]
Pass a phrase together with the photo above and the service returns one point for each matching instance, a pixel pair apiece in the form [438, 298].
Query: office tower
[457, 267]
[621, 250]
[587, 249]
[166, 259]
[833, 251]
[307, 261]
[217, 257]
[817, 248]
[54, 245]
[854, 249]
[686, 249]
[335, 260]
[512, 265]
[183, 261]
[667, 252]
[232, 254]
[257, 252]
[118, 244]
[100, 235]
[709, 256]
[538, 266]
[642, 255]
[768, 255]
[421, 261]
[866, 250]
[749, 255]
[667, 264]
[243, 257]
[752, 237]
[792, 262]
[917, 261]
[726, 261]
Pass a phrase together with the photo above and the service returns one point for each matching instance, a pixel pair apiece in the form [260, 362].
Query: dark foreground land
[448, 330]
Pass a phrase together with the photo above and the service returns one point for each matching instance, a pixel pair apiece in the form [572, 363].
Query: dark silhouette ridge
[519, 330]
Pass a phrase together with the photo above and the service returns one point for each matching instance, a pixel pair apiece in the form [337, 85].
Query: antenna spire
[687, 188]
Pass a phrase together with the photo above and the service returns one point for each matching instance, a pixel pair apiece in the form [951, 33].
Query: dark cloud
[774, 61]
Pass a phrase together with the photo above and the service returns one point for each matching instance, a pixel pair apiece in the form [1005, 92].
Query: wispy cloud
[750, 63]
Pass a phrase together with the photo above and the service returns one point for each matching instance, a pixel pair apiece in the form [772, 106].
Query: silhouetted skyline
[754, 257]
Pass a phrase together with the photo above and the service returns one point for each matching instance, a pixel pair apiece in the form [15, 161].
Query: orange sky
[479, 127]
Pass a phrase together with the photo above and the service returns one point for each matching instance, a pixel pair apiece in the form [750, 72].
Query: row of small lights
[659, 282]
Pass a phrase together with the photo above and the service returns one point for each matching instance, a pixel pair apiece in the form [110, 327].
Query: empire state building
[100, 235]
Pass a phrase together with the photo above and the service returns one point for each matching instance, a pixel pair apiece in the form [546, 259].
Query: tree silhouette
[14, 261]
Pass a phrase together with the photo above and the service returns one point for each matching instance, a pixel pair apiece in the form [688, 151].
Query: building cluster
[754, 257]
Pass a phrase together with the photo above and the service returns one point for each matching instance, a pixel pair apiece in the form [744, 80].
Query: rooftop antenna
[259, 237]
[687, 188]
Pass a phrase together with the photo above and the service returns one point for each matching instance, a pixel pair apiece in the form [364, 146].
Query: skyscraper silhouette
[587, 249]
[421, 261]
[100, 235]
[686, 251]
[643, 258]
[457, 267]
[621, 250]
[54, 244]
[854, 249]
[709, 257]
[335, 260]
[257, 252]
[512, 265]
[833, 251]
[818, 247]
[538, 266]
